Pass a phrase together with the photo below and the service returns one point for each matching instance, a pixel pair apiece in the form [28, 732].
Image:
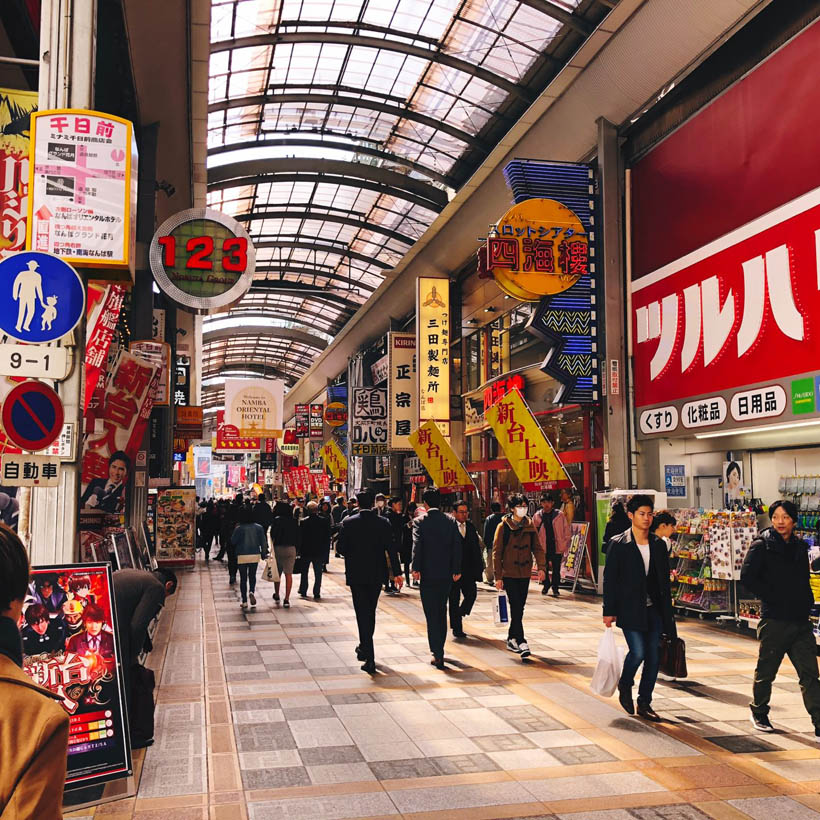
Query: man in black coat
[315, 534]
[400, 524]
[491, 523]
[263, 514]
[472, 567]
[638, 597]
[777, 570]
[363, 540]
[437, 564]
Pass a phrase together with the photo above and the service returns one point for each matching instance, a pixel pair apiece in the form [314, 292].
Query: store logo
[803, 396]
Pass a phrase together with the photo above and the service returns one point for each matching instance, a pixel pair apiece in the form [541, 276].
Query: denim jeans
[644, 648]
[247, 572]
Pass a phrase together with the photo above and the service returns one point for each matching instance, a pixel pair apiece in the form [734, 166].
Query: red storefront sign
[228, 438]
[500, 388]
[736, 311]
[103, 311]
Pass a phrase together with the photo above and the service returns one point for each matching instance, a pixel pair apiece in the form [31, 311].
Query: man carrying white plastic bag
[501, 609]
[610, 664]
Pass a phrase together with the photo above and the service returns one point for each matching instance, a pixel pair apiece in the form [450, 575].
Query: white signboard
[254, 406]
[29, 470]
[704, 412]
[34, 361]
[82, 191]
[65, 447]
[760, 403]
[659, 420]
[379, 369]
[403, 389]
[368, 426]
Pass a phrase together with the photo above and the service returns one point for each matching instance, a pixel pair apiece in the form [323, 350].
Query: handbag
[609, 667]
[501, 609]
[673, 657]
[271, 571]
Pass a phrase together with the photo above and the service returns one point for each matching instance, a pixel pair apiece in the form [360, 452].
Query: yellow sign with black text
[439, 460]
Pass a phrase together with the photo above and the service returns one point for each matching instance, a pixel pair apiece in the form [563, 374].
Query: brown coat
[513, 554]
[33, 746]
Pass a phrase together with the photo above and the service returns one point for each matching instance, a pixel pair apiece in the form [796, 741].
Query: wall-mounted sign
[159, 354]
[675, 480]
[500, 388]
[433, 350]
[289, 443]
[438, 458]
[202, 259]
[402, 389]
[83, 187]
[254, 406]
[188, 421]
[316, 422]
[182, 386]
[336, 414]
[301, 414]
[368, 424]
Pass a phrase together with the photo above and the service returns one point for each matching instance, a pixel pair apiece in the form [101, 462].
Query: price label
[34, 361]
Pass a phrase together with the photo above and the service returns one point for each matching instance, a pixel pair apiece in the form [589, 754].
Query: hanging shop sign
[102, 314]
[380, 369]
[433, 350]
[42, 298]
[525, 445]
[16, 107]
[368, 428]
[188, 422]
[254, 406]
[114, 432]
[402, 389]
[79, 659]
[228, 439]
[176, 526]
[319, 483]
[19, 470]
[316, 422]
[32, 416]
[336, 414]
[83, 188]
[301, 413]
[182, 382]
[202, 259]
[438, 458]
[334, 460]
[158, 324]
[722, 336]
[159, 354]
[288, 444]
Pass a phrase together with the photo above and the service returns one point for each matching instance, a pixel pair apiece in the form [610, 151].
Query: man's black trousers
[365, 600]
[467, 588]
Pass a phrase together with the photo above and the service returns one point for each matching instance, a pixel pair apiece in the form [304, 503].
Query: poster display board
[368, 431]
[254, 406]
[433, 349]
[175, 526]
[576, 566]
[70, 647]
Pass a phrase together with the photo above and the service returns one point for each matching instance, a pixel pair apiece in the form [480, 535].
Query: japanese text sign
[433, 350]
[334, 460]
[368, 428]
[523, 441]
[254, 406]
[402, 389]
[228, 439]
[176, 526]
[316, 421]
[103, 312]
[159, 354]
[301, 414]
[82, 187]
[439, 460]
[29, 470]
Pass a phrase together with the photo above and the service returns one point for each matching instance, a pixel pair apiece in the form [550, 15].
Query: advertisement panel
[316, 421]
[254, 406]
[334, 460]
[402, 389]
[103, 305]
[439, 460]
[368, 430]
[159, 354]
[176, 526]
[302, 420]
[228, 439]
[433, 349]
[71, 647]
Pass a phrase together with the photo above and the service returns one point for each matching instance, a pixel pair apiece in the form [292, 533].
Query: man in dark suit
[106, 494]
[472, 567]
[638, 597]
[364, 538]
[437, 564]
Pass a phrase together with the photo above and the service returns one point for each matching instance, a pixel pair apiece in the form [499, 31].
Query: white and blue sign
[675, 480]
[42, 298]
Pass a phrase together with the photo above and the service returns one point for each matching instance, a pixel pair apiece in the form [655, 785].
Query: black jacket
[315, 531]
[778, 573]
[263, 515]
[627, 586]
[436, 547]
[472, 563]
[402, 537]
[615, 526]
[363, 540]
[284, 532]
[139, 595]
[491, 523]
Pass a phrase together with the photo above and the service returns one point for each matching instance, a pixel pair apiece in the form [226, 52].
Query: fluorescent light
[789, 426]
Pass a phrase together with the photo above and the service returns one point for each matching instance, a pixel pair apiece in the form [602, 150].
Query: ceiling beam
[319, 248]
[272, 311]
[380, 43]
[564, 16]
[312, 292]
[318, 271]
[289, 333]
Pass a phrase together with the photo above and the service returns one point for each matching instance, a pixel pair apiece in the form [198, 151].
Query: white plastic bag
[501, 609]
[610, 664]
[271, 571]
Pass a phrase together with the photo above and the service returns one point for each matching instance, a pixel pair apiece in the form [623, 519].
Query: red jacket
[561, 527]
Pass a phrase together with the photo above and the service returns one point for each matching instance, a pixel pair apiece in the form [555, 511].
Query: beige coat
[33, 746]
[513, 555]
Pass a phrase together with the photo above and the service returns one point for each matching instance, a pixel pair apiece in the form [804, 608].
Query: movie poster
[70, 647]
[176, 526]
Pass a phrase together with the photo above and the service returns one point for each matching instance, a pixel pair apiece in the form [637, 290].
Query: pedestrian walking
[515, 547]
[286, 539]
[554, 533]
[251, 546]
[436, 565]
[463, 592]
[618, 522]
[402, 534]
[638, 598]
[263, 514]
[776, 569]
[315, 535]
[363, 540]
[491, 523]
[568, 505]
[209, 527]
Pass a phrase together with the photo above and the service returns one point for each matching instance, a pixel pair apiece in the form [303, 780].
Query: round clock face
[202, 259]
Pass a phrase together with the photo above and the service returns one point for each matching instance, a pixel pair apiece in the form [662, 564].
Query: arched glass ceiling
[339, 129]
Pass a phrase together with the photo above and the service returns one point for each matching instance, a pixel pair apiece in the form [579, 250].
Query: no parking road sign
[32, 416]
[42, 298]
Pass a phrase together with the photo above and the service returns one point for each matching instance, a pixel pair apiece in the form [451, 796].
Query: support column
[612, 313]
[68, 42]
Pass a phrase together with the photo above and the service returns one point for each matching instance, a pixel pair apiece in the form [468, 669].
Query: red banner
[228, 438]
[102, 311]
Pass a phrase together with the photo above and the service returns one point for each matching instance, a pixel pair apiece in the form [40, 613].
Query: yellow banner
[523, 441]
[335, 460]
[433, 350]
[439, 460]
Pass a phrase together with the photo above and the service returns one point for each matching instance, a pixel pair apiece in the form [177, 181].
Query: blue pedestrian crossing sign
[42, 298]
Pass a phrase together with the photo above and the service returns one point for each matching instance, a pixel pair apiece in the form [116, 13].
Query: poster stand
[577, 564]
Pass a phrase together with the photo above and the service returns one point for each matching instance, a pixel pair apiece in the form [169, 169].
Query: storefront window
[472, 355]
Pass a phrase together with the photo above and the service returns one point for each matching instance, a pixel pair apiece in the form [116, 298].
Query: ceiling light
[766, 429]
[490, 309]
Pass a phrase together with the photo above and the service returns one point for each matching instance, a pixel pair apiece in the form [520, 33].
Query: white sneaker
[253, 600]
[512, 645]
[524, 649]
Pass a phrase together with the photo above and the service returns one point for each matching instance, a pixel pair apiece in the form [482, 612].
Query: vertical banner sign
[114, 433]
[433, 349]
[176, 526]
[159, 355]
[83, 187]
[440, 461]
[302, 420]
[254, 406]
[523, 441]
[335, 460]
[368, 432]
[182, 389]
[103, 306]
[15, 109]
[71, 647]
[402, 389]
[316, 421]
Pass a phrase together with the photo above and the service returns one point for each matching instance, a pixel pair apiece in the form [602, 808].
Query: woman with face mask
[515, 545]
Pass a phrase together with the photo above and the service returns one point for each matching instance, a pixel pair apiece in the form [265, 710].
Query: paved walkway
[266, 716]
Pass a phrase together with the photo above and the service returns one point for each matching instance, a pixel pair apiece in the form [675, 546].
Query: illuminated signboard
[433, 350]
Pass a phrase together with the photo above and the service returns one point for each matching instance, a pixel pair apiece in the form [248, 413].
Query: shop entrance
[708, 492]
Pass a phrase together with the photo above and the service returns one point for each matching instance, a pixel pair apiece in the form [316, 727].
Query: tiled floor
[266, 716]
